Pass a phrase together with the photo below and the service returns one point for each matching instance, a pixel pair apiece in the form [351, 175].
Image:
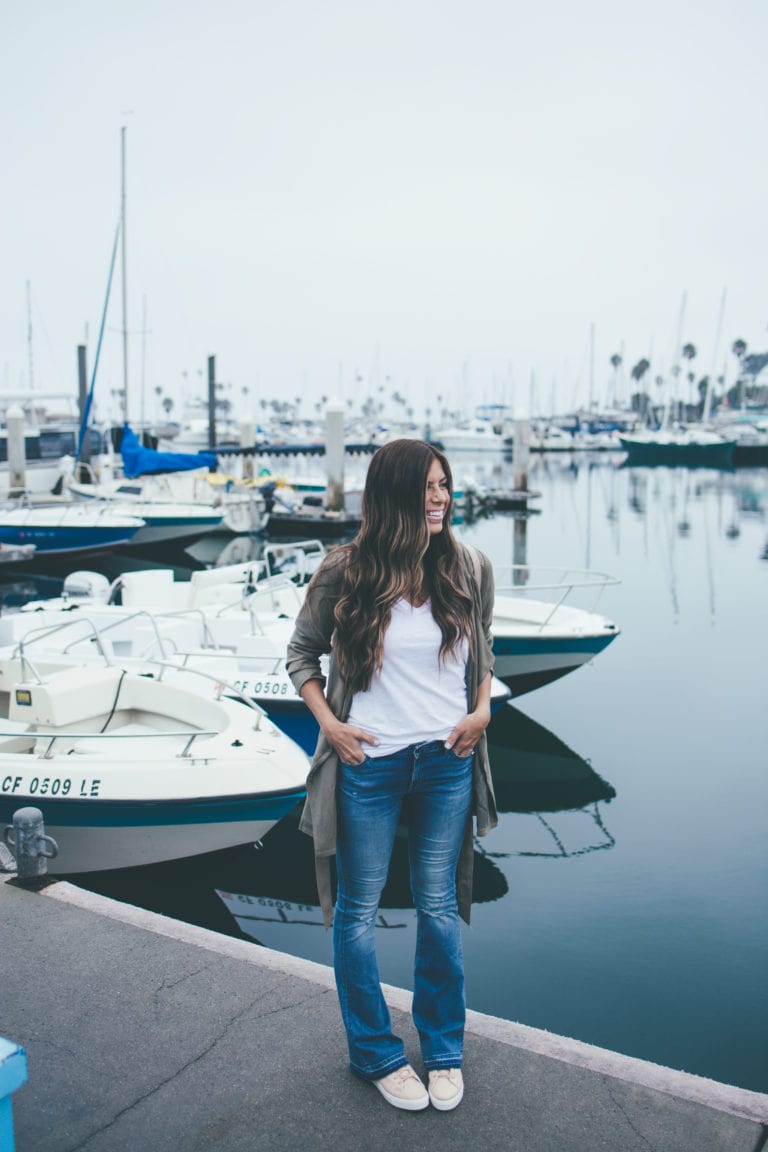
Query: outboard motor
[268, 495]
[86, 586]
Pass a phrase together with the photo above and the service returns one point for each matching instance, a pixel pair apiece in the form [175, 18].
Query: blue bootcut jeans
[438, 785]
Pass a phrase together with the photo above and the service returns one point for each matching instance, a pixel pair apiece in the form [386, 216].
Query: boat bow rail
[177, 640]
[45, 741]
[95, 633]
[555, 587]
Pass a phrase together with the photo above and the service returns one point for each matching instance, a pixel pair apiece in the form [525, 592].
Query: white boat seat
[65, 698]
[13, 737]
[260, 647]
[154, 589]
[152, 742]
[80, 695]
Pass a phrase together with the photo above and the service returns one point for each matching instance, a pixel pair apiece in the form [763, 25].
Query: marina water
[622, 899]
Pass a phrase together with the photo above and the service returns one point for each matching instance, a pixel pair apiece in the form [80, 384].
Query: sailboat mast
[29, 338]
[144, 361]
[705, 415]
[676, 365]
[124, 274]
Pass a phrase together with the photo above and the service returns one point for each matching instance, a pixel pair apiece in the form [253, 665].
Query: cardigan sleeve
[315, 624]
[487, 598]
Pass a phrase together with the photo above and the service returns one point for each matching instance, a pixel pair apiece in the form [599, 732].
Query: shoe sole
[416, 1105]
[447, 1105]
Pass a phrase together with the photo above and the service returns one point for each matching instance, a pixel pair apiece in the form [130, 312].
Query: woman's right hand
[345, 739]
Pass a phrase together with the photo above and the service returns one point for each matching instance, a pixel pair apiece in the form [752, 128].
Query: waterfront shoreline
[135, 981]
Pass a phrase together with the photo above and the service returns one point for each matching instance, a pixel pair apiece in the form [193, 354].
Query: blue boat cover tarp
[138, 460]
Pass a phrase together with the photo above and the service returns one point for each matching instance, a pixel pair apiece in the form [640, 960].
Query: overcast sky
[440, 197]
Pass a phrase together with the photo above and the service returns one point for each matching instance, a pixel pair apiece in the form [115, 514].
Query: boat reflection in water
[549, 802]
[285, 892]
[538, 777]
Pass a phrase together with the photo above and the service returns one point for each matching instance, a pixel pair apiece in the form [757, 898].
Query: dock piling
[521, 450]
[17, 458]
[247, 440]
[82, 394]
[212, 402]
[334, 457]
[31, 847]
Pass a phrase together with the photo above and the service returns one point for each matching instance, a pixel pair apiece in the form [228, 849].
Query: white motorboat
[165, 521]
[181, 505]
[130, 769]
[66, 528]
[244, 648]
[46, 439]
[477, 436]
[535, 640]
[239, 619]
[552, 438]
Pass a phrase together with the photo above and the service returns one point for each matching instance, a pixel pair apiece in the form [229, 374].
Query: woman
[405, 612]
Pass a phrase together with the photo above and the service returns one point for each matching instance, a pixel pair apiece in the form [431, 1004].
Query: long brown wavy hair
[394, 555]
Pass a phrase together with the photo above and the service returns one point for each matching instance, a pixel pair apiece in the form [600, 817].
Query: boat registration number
[86, 787]
[266, 902]
[266, 686]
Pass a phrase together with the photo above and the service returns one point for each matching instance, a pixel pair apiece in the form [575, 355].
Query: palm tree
[688, 353]
[615, 362]
[640, 399]
[739, 349]
[640, 370]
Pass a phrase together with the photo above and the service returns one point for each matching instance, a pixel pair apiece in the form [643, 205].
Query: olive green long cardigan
[312, 638]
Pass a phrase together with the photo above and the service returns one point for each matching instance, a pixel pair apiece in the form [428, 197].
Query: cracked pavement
[138, 1040]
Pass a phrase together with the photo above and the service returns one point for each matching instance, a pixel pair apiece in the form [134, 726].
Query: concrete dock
[144, 1033]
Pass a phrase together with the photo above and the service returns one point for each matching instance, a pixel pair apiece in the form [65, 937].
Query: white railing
[95, 634]
[516, 580]
[32, 735]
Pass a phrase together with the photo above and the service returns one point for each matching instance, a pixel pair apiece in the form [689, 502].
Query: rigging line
[123, 674]
[87, 409]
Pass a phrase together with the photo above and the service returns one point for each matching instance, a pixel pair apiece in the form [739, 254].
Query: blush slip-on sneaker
[403, 1089]
[446, 1088]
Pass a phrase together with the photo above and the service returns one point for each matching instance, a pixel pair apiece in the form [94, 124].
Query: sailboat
[684, 446]
[689, 445]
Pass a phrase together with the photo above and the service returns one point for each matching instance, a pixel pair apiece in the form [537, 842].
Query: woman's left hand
[468, 731]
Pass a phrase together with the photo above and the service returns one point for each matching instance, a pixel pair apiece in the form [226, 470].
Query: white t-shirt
[415, 696]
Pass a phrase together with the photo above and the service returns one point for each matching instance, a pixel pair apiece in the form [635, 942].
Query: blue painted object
[13, 1073]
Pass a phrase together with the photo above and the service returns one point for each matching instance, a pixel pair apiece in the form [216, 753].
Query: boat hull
[750, 455]
[113, 834]
[703, 455]
[300, 526]
[536, 642]
[160, 530]
[524, 666]
[58, 541]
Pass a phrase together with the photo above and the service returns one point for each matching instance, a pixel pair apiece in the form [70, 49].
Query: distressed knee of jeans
[355, 916]
[438, 905]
